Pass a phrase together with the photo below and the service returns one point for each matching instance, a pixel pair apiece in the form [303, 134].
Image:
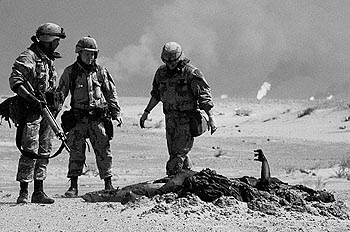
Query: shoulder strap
[99, 73]
[72, 78]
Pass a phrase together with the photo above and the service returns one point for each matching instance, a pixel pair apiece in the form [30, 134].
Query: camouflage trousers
[95, 131]
[36, 137]
[179, 142]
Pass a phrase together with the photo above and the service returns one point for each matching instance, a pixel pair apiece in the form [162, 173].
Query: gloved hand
[119, 120]
[212, 124]
[143, 119]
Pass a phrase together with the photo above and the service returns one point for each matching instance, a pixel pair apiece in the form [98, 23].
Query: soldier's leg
[184, 143]
[180, 142]
[76, 142]
[25, 175]
[173, 163]
[23, 193]
[26, 166]
[102, 148]
[45, 148]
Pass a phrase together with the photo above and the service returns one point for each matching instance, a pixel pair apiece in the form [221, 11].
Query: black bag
[198, 123]
[14, 108]
[68, 120]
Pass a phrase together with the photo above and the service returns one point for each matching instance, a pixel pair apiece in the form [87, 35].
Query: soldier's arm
[64, 84]
[109, 90]
[201, 91]
[151, 104]
[265, 168]
[153, 101]
[155, 95]
[22, 70]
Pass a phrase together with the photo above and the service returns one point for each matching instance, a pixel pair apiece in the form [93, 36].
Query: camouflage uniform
[35, 67]
[181, 90]
[94, 90]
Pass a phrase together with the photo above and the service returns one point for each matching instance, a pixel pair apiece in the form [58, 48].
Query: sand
[301, 149]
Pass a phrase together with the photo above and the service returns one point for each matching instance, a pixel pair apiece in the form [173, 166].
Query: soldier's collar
[85, 67]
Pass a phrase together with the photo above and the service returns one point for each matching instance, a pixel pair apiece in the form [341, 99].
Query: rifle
[51, 120]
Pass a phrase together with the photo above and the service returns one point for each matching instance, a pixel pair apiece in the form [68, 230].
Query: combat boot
[23, 193]
[108, 183]
[71, 193]
[73, 189]
[39, 196]
[22, 198]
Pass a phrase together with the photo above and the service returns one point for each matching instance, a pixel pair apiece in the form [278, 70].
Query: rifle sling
[30, 154]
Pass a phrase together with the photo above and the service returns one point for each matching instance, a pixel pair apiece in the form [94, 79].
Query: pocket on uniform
[80, 94]
[198, 123]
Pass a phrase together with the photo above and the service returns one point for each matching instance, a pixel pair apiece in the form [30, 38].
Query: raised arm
[265, 168]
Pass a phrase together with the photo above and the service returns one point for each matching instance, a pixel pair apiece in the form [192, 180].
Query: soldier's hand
[212, 124]
[119, 120]
[143, 119]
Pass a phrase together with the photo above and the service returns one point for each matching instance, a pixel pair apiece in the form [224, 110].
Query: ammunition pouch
[68, 120]
[198, 123]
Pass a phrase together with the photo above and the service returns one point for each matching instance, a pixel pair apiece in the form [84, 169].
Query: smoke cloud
[300, 47]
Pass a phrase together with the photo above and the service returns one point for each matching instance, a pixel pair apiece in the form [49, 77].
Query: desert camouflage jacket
[91, 88]
[35, 67]
[181, 90]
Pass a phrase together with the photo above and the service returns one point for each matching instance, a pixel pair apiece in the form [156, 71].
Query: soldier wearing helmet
[94, 103]
[185, 94]
[33, 71]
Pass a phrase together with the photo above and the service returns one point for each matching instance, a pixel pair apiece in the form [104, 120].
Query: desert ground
[306, 142]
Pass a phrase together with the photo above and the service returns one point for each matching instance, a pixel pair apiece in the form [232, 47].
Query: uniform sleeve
[109, 90]
[155, 87]
[23, 69]
[201, 90]
[64, 83]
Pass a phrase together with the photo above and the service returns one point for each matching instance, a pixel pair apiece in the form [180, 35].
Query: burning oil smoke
[266, 86]
[300, 47]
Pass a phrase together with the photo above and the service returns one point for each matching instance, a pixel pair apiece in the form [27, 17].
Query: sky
[300, 47]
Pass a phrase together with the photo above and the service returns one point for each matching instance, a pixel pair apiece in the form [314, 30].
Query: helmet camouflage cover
[48, 32]
[172, 52]
[86, 44]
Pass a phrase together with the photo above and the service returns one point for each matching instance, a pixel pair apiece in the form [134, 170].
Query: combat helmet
[172, 52]
[87, 44]
[48, 32]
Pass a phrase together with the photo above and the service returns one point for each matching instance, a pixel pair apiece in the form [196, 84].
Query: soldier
[94, 103]
[182, 89]
[34, 70]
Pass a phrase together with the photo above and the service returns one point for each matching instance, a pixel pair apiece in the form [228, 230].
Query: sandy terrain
[301, 150]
